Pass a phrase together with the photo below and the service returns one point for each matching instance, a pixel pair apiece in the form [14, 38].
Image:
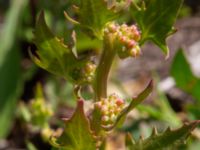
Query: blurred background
[176, 96]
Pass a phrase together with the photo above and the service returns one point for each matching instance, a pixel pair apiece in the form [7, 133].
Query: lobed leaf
[156, 21]
[77, 134]
[53, 55]
[169, 138]
[94, 14]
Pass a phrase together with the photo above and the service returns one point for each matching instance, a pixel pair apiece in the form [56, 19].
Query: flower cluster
[126, 39]
[85, 73]
[40, 111]
[110, 108]
[89, 71]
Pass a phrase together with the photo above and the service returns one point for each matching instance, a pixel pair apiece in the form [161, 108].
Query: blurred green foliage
[10, 71]
[187, 81]
[184, 77]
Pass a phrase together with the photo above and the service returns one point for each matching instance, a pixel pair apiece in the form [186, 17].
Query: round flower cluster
[126, 39]
[110, 108]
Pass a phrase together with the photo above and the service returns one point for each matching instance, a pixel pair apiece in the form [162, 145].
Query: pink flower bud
[98, 105]
[133, 28]
[137, 35]
[124, 27]
[131, 44]
[112, 111]
[112, 28]
[123, 39]
[104, 109]
[135, 51]
[111, 104]
[119, 34]
[119, 102]
[105, 118]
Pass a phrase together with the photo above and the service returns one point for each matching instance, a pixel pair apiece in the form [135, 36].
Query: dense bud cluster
[109, 108]
[126, 38]
[89, 71]
[84, 74]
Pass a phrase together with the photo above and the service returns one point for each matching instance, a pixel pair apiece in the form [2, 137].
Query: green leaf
[10, 89]
[77, 134]
[94, 14]
[10, 71]
[168, 139]
[156, 20]
[10, 27]
[193, 111]
[183, 75]
[30, 146]
[53, 55]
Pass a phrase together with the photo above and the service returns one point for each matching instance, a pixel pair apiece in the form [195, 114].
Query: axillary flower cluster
[110, 108]
[89, 71]
[126, 39]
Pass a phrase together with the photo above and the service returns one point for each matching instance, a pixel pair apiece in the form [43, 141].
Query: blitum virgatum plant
[98, 19]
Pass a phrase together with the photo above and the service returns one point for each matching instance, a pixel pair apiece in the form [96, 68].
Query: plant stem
[103, 69]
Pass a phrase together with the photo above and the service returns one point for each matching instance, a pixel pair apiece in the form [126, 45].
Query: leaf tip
[80, 106]
[141, 138]
[31, 55]
[193, 124]
[154, 131]
[41, 17]
[167, 54]
[150, 85]
[168, 129]
[35, 58]
[70, 19]
[80, 103]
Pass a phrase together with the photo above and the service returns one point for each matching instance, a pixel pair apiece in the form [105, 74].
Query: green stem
[103, 69]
